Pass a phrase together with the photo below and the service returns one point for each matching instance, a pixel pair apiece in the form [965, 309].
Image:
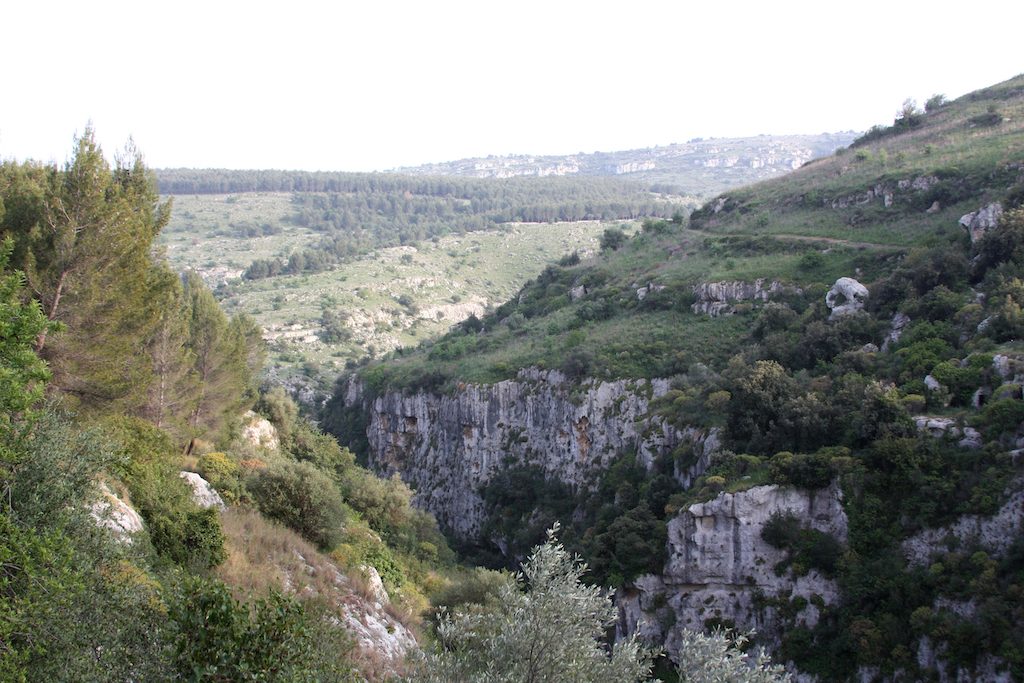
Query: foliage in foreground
[545, 625]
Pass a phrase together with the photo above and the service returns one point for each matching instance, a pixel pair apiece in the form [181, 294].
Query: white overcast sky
[376, 84]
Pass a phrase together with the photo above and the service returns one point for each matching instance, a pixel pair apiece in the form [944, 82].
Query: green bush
[276, 639]
[300, 496]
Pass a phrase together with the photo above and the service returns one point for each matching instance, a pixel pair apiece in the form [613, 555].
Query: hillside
[307, 254]
[698, 167]
[768, 415]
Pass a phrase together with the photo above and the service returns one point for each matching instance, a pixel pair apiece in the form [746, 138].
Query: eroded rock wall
[447, 446]
[720, 569]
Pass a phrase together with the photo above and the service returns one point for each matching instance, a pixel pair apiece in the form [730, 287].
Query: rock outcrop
[259, 431]
[977, 223]
[719, 568]
[447, 446]
[717, 298]
[204, 495]
[993, 534]
[846, 297]
[115, 514]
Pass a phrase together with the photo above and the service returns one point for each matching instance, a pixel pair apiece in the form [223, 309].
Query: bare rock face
[716, 298]
[203, 494]
[719, 567]
[977, 223]
[259, 431]
[900, 321]
[375, 584]
[993, 534]
[846, 297]
[447, 446]
[115, 514]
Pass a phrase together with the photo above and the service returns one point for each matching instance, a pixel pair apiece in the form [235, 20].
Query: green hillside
[865, 212]
[734, 307]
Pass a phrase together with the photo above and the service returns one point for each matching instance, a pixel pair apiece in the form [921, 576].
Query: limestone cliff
[447, 446]
[719, 568]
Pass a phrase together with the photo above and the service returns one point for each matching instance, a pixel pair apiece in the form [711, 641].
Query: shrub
[612, 239]
[545, 626]
[805, 471]
[218, 639]
[303, 498]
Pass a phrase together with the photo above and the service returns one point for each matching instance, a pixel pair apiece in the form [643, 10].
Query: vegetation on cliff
[731, 306]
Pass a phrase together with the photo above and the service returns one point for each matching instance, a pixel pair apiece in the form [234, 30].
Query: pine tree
[84, 236]
[227, 356]
[171, 394]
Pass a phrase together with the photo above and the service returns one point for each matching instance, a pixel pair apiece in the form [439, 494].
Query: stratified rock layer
[447, 446]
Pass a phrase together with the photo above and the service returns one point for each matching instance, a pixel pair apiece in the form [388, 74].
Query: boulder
[375, 584]
[112, 513]
[937, 427]
[577, 293]
[847, 296]
[203, 494]
[977, 223]
[972, 439]
[259, 431]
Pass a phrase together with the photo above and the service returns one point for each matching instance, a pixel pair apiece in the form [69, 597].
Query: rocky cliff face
[447, 447]
[717, 298]
[720, 569]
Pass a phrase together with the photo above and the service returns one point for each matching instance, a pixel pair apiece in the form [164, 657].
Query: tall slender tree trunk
[52, 313]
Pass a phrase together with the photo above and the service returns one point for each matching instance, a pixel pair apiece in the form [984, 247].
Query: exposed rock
[381, 641]
[932, 384]
[977, 223]
[447, 446]
[934, 208]
[937, 427]
[375, 584]
[203, 494]
[259, 431]
[1009, 368]
[720, 567]
[971, 440]
[896, 327]
[980, 397]
[716, 298]
[577, 293]
[642, 292]
[847, 296]
[115, 514]
[869, 348]
[993, 534]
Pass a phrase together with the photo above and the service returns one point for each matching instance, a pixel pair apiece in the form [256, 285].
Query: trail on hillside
[804, 238]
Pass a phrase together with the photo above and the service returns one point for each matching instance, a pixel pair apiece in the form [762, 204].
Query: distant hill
[699, 166]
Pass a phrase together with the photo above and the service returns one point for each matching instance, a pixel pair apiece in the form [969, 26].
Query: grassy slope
[445, 280]
[765, 230]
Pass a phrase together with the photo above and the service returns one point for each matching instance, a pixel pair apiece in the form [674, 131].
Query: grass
[827, 220]
[264, 556]
[393, 298]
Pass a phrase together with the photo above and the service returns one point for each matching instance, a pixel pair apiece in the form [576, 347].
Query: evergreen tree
[170, 399]
[227, 355]
[84, 235]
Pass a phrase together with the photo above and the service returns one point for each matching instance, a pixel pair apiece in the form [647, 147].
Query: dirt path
[805, 238]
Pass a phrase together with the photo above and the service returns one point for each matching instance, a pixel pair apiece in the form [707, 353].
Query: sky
[362, 85]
